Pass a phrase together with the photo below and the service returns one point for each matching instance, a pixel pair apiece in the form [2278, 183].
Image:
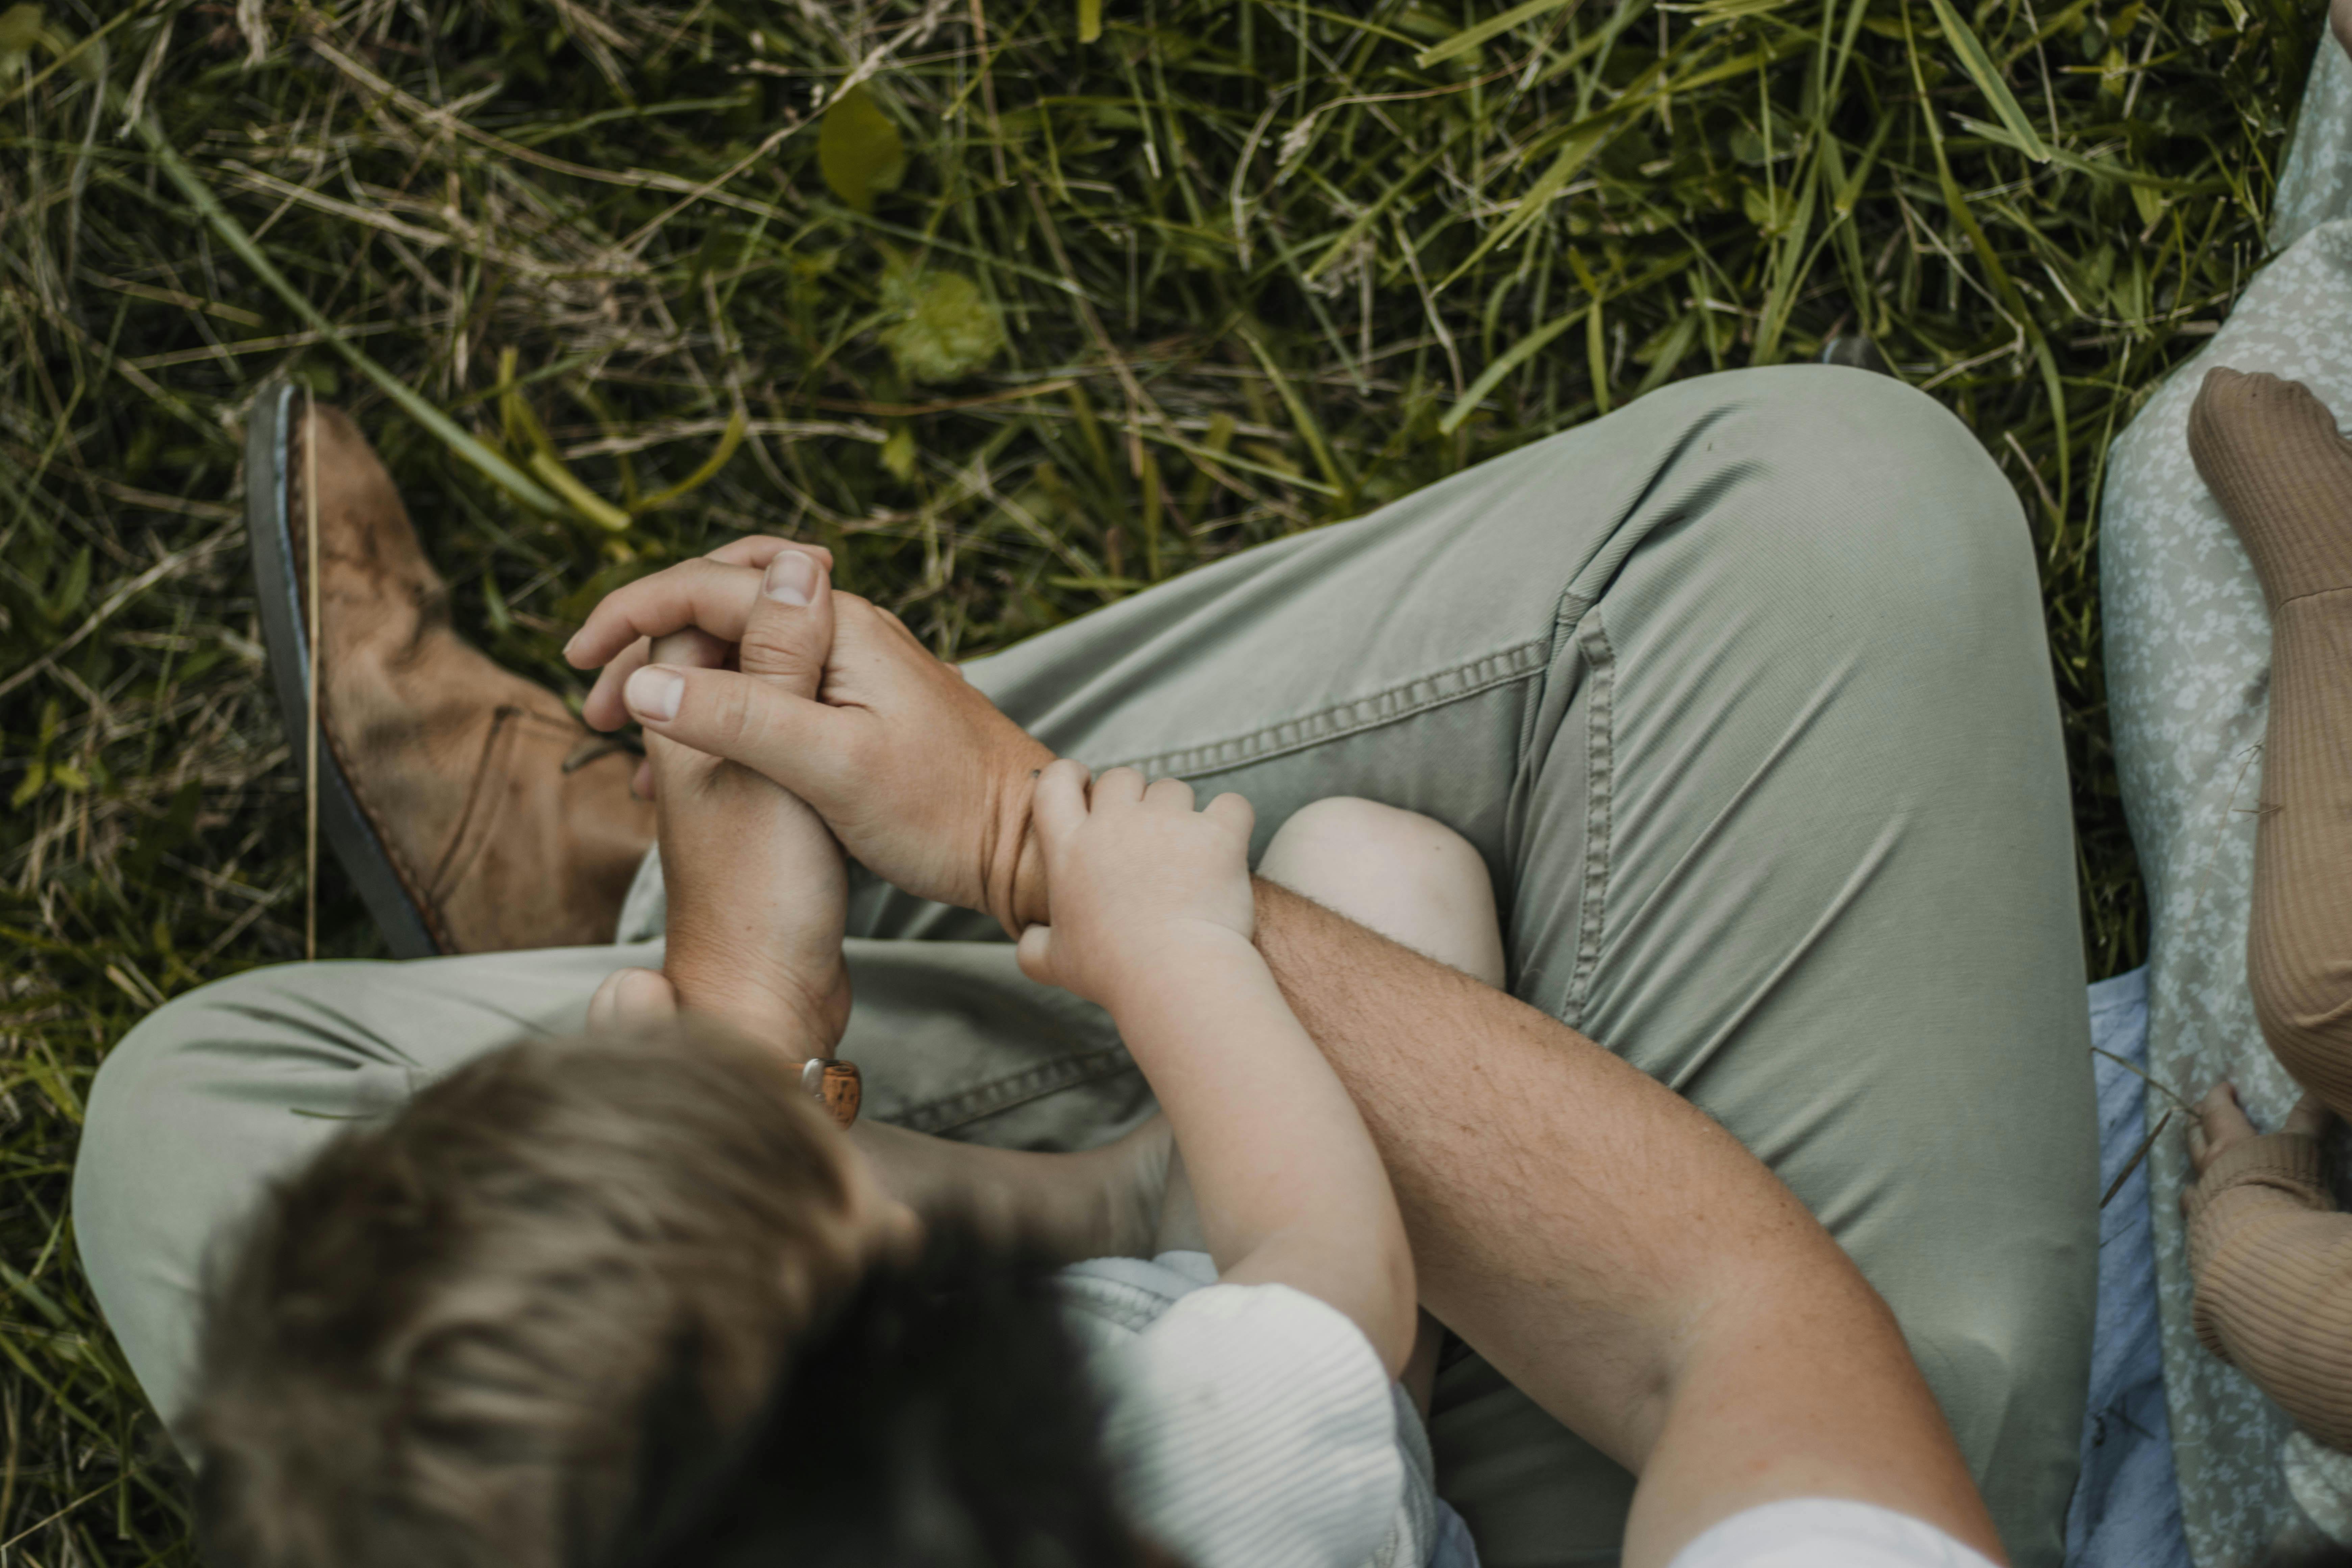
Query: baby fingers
[2309, 1118]
[1060, 804]
[1167, 795]
[1235, 812]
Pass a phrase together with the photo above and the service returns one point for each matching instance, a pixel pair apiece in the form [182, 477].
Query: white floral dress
[2187, 659]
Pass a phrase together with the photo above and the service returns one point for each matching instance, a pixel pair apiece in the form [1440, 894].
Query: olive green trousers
[1744, 695]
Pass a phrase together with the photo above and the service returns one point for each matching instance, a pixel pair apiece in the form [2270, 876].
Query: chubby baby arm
[757, 887]
[758, 898]
[1153, 914]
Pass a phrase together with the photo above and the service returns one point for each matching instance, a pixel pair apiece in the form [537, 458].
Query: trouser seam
[1600, 660]
[1015, 1090]
[1404, 700]
[1566, 616]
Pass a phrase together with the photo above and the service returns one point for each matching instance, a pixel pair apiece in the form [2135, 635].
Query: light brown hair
[436, 1342]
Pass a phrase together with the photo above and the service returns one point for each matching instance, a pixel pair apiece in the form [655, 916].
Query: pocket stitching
[1520, 662]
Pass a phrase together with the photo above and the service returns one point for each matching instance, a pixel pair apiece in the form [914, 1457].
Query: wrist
[805, 1018]
[1012, 861]
[1176, 964]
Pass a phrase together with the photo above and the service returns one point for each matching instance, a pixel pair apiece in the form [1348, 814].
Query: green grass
[1027, 325]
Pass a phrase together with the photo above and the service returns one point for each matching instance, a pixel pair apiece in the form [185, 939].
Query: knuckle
[763, 731]
[742, 544]
[676, 647]
[655, 586]
[769, 650]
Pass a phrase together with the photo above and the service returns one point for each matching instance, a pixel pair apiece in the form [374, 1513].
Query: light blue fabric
[1455, 1548]
[2127, 1507]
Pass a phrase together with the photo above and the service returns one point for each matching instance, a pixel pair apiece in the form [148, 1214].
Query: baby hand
[1138, 876]
[758, 897]
[757, 888]
[630, 997]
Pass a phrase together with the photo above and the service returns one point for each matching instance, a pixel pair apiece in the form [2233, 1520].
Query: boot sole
[277, 579]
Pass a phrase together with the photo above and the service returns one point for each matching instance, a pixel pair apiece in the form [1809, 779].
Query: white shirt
[1251, 1426]
[1254, 1426]
[1825, 1533]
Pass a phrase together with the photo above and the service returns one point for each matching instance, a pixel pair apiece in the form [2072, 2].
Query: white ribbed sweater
[1251, 1426]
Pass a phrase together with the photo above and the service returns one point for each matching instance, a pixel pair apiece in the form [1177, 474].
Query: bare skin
[1410, 879]
[757, 896]
[1612, 1250]
[1156, 917]
[1104, 1203]
[1618, 1255]
[763, 953]
[1416, 882]
[1154, 924]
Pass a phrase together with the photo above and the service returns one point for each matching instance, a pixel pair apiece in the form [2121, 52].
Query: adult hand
[691, 647]
[919, 775]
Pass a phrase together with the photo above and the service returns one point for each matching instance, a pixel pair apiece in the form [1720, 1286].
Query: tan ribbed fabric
[2274, 459]
[2271, 1260]
[2273, 1267]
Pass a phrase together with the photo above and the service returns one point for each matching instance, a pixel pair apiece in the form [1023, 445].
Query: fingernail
[652, 693]
[792, 577]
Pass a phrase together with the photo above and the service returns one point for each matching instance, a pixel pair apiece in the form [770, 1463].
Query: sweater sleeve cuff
[2286, 1161]
[2280, 1173]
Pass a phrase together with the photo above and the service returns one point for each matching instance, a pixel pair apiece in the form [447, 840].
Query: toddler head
[546, 1314]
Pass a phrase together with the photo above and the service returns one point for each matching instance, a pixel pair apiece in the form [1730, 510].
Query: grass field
[1018, 307]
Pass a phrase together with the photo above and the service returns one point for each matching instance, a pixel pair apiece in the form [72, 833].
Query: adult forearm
[1613, 1251]
[1559, 1203]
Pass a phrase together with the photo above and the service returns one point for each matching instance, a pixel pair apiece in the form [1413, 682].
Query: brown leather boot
[473, 809]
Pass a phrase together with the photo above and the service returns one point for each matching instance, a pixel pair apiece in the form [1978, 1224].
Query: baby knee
[1351, 826]
[1409, 878]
